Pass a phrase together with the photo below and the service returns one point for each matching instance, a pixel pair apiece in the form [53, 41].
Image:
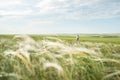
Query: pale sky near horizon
[59, 16]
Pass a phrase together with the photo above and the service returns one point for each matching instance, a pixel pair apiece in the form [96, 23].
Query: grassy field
[60, 57]
[84, 38]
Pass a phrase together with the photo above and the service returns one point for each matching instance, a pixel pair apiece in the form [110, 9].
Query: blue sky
[59, 16]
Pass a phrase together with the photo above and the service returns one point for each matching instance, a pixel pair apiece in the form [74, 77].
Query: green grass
[115, 39]
[91, 39]
[41, 57]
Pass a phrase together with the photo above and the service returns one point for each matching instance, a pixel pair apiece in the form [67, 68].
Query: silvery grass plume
[111, 76]
[49, 65]
[62, 49]
[23, 45]
[24, 38]
[56, 49]
[54, 39]
[3, 74]
[38, 59]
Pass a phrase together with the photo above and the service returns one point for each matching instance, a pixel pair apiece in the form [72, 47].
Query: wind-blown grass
[23, 58]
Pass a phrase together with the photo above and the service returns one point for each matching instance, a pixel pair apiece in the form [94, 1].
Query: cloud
[15, 12]
[9, 3]
[13, 8]
[40, 23]
[52, 6]
[31, 26]
[79, 9]
[56, 6]
[61, 9]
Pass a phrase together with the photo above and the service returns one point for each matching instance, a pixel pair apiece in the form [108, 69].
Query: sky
[59, 16]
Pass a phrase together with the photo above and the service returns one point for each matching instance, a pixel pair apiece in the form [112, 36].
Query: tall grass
[53, 59]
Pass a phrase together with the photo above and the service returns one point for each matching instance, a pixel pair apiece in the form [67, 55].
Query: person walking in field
[77, 37]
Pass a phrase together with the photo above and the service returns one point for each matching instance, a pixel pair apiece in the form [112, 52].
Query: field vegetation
[59, 57]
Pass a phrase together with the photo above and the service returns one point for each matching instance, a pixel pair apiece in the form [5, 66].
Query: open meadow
[60, 57]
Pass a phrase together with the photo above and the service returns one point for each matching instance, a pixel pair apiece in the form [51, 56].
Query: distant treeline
[106, 36]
